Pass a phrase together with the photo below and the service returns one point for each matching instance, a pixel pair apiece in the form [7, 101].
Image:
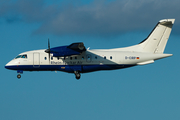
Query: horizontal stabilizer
[146, 62]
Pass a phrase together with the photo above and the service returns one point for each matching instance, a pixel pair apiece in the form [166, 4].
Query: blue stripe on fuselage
[67, 68]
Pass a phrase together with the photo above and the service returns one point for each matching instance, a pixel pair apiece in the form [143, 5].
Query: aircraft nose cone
[7, 66]
[11, 65]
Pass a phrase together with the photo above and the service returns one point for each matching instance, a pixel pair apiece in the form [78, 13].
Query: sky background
[138, 93]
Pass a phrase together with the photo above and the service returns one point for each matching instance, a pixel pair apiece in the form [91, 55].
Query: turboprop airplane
[75, 58]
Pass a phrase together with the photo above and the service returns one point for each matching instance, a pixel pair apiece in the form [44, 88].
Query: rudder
[157, 40]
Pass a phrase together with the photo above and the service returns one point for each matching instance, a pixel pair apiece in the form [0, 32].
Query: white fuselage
[38, 58]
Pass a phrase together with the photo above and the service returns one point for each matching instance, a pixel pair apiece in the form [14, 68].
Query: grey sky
[97, 18]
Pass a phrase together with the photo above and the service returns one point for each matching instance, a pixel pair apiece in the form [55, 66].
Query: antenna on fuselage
[48, 50]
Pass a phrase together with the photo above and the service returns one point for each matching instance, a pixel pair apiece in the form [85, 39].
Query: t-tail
[157, 40]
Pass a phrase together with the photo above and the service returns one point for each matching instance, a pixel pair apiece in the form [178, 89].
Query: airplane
[75, 58]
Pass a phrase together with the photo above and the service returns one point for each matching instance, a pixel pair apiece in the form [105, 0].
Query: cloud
[98, 17]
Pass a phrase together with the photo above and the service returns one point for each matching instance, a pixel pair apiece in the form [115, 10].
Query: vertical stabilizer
[157, 40]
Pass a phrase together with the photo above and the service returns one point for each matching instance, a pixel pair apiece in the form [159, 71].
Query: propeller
[48, 50]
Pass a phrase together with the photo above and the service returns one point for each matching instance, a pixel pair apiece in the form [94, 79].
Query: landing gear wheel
[18, 76]
[77, 74]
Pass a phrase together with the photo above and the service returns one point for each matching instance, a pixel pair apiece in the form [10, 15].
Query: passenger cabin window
[95, 57]
[51, 58]
[104, 57]
[45, 58]
[110, 57]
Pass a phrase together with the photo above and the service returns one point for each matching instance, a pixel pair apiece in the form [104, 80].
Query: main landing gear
[18, 76]
[77, 74]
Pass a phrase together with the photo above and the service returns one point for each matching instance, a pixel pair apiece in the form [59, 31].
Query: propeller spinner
[48, 50]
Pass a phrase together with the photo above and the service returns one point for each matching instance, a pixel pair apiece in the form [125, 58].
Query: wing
[73, 49]
[77, 47]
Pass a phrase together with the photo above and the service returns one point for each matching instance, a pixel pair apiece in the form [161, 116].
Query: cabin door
[36, 60]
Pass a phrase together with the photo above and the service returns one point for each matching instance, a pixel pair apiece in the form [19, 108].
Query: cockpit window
[24, 56]
[21, 56]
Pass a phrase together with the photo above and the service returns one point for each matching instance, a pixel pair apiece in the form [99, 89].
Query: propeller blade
[48, 44]
[48, 50]
[49, 57]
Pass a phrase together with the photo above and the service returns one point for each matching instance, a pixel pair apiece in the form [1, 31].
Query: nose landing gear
[77, 74]
[19, 73]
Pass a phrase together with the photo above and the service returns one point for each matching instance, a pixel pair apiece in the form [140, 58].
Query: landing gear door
[36, 60]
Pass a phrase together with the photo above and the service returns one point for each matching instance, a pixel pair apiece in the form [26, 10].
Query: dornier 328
[75, 58]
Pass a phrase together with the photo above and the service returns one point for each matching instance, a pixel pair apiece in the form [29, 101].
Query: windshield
[21, 56]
